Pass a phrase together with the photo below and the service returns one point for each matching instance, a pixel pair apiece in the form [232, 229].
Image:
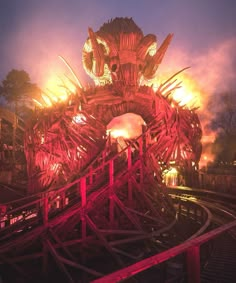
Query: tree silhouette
[17, 87]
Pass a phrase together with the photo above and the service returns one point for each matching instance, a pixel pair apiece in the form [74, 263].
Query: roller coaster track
[116, 202]
[207, 258]
[220, 264]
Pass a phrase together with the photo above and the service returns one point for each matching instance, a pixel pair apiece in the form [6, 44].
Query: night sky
[33, 33]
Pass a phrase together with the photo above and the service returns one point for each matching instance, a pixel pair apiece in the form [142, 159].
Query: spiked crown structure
[62, 140]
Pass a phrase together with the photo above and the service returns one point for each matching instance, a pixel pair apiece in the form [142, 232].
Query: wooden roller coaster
[93, 206]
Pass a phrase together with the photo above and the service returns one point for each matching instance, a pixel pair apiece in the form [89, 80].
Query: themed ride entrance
[90, 199]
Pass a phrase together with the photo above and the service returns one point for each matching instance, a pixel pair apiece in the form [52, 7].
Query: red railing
[45, 203]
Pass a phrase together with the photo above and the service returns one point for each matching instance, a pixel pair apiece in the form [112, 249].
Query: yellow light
[183, 97]
[170, 176]
[172, 171]
[115, 133]
[55, 167]
[187, 93]
[206, 158]
[47, 100]
[56, 90]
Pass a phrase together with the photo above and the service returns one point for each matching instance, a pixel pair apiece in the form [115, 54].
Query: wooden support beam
[44, 259]
[193, 264]
[83, 194]
[75, 242]
[111, 172]
[130, 196]
[111, 193]
[131, 239]
[78, 188]
[59, 262]
[25, 257]
[121, 232]
[135, 268]
[15, 266]
[119, 251]
[141, 158]
[132, 219]
[91, 170]
[103, 239]
[143, 215]
[143, 197]
[61, 244]
[45, 209]
[80, 266]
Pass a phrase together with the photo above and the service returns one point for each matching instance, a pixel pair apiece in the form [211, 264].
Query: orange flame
[59, 89]
[187, 93]
[206, 158]
[56, 90]
[191, 95]
[128, 126]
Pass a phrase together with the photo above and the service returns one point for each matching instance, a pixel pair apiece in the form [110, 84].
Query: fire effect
[187, 92]
[58, 89]
[128, 126]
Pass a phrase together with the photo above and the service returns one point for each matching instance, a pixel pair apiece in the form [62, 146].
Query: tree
[17, 87]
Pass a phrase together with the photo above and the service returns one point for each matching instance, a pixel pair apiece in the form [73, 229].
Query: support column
[130, 195]
[45, 209]
[83, 203]
[45, 259]
[111, 198]
[141, 159]
[91, 175]
[193, 265]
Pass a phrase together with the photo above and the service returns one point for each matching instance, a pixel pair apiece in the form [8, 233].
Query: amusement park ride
[95, 198]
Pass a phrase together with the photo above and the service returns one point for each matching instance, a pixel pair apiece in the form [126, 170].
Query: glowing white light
[170, 176]
[79, 119]
[115, 133]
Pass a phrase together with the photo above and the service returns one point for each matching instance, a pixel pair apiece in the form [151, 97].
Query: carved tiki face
[119, 53]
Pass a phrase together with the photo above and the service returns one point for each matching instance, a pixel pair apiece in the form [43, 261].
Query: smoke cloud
[213, 72]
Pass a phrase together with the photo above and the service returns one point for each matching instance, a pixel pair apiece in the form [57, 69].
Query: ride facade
[93, 196]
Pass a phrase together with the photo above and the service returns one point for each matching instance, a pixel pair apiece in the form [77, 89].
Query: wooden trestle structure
[91, 209]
